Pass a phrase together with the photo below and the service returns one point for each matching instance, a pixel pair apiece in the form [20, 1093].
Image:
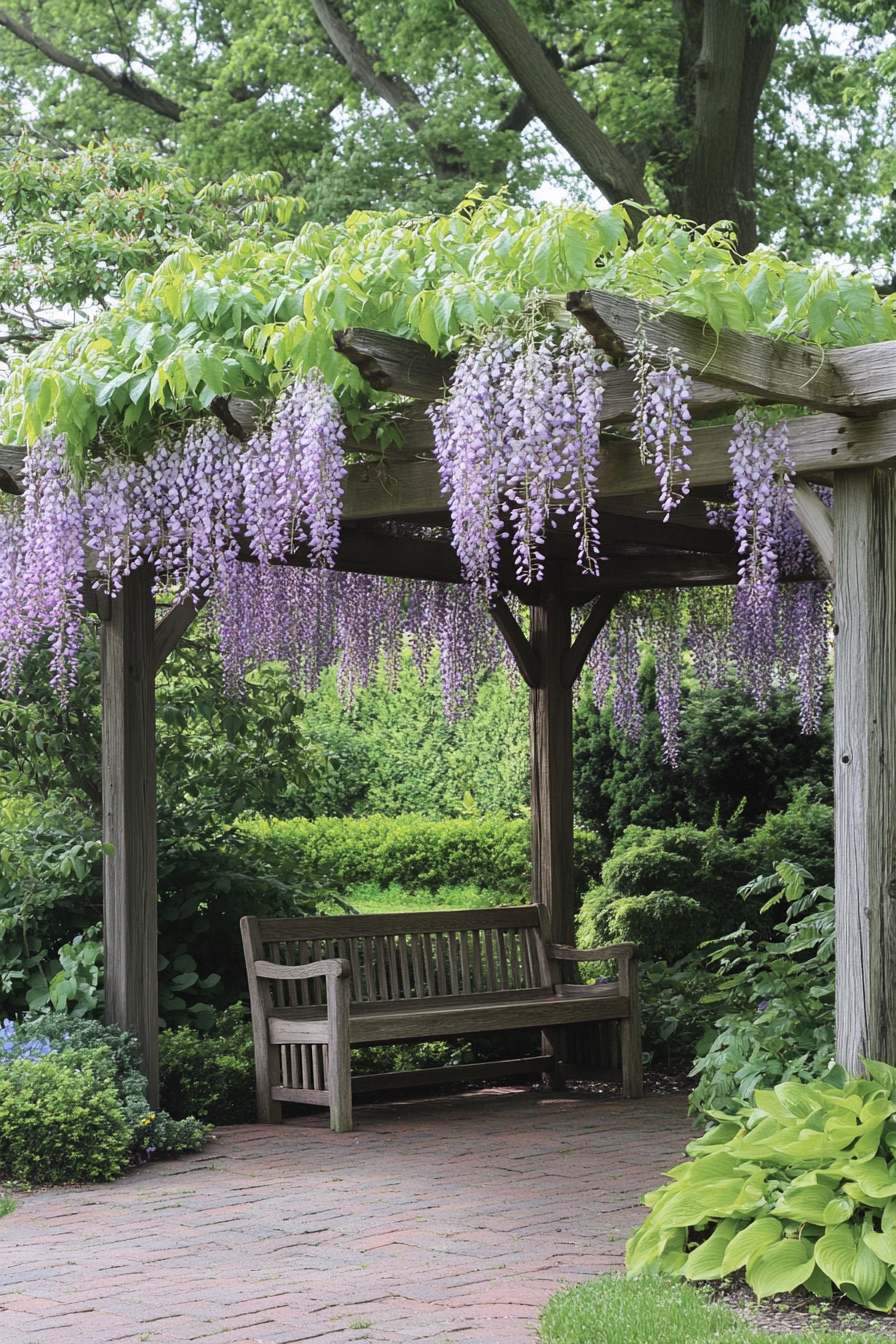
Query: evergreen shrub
[61, 1119]
[85, 1079]
[416, 852]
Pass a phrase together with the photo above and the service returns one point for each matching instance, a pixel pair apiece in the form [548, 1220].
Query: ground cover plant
[73, 1104]
[656, 1310]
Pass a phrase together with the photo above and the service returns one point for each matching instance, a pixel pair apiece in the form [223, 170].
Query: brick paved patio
[448, 1219]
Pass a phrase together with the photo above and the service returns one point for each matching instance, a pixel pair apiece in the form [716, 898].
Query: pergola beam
[852, 380]
[818, 445]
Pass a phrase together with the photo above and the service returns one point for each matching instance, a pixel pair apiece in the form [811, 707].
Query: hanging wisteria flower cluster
[186, 510]
[518, 439]
[358, 623]
[661, 422]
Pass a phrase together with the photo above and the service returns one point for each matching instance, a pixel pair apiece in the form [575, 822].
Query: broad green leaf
[781, 1269]
[706, 1261]
[753, 1240]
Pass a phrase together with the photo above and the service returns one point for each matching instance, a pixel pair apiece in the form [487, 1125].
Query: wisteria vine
[518, 445]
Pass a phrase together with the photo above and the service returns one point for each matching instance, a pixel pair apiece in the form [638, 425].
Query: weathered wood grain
[574, 657]
[394, 364]
[817, 521]
[130, 900]
[172, 628]
[818, 443]
[857, 379]
[520, 649]
[550, 756]
[406, 921]
[865, 765]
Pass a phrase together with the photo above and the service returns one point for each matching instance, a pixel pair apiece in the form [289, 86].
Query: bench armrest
[615, 952]
[272, 970]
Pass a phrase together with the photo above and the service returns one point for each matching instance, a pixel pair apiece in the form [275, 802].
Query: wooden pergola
[848, 442]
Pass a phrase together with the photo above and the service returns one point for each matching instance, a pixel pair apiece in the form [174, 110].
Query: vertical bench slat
[464, 961]
[381, 972]
[316, 1069]
[394, 984]
[513, 944]
[452, 962]
[528, 974]
[430, 982]
[419, 974]
[477, 962]
[404, 963]
[487, 935]
[350, 952]
[304, 986]
[369, 969]
[503, 960]
[441, 978]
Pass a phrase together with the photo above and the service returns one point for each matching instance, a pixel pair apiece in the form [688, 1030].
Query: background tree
[740, 109]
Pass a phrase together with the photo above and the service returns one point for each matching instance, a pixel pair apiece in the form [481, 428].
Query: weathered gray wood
[574, 658]
[817, 522]
[451, 1073]
[269, 970]
[130, 901]
[393, 364]
[550, 748]
[405, 921]
[818, 443]
[613, 952]
[865, 765]
[411, 369]
[267, 1056]
[172, 628]
[339, 1068]
[857, 379]
[519, 646]
[630, 1028]
[435, 1023]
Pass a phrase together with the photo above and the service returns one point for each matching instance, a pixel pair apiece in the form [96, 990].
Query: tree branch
[554, 102]
[396, 92]
[124, 86]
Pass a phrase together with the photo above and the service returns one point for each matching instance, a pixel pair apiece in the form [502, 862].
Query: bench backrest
[412, 955]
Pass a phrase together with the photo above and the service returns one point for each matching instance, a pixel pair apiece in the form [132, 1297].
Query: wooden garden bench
[319, 986]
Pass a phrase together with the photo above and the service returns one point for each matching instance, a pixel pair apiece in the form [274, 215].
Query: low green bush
[210, 1075]
[417, 853]
[798, 1189]
[61, 1119]
[654, 1310]
[670, 890]
[38, 1060]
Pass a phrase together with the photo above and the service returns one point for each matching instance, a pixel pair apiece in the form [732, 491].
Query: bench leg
[339, 1066]
[632, 1056]
[267, 1070]
[553, 1042]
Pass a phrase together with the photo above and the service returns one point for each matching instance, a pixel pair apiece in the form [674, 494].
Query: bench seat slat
[433, 1023]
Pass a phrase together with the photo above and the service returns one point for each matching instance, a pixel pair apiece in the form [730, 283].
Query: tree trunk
[130, 901]
[709, 195]
[865, 764]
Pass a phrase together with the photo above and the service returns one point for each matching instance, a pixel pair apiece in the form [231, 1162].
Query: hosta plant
[798, 1189]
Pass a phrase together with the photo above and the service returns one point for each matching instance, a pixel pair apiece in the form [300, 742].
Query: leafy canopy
[248, 319]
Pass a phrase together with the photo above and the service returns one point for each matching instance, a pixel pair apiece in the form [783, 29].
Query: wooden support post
[865, 764]
[130, 902]
[550, 744]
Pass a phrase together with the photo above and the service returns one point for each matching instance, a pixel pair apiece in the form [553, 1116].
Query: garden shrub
[416, 852]
[61, 1119]
[108, 1058]
[798, 1189]
[670, 890]
[210, 1075]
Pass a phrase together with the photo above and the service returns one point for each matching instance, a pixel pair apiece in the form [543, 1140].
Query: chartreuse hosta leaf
[797, 1190]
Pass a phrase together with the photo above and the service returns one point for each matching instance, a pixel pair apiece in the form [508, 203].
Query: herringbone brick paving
[448, 1219]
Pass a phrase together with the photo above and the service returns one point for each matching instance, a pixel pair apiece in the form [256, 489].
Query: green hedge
[414, 852]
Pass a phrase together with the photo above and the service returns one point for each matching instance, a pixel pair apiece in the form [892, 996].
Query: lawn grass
[651, 1310]
[7, 1203]
[369, 898]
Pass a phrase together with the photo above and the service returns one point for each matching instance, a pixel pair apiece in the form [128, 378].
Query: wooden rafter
[856, 380]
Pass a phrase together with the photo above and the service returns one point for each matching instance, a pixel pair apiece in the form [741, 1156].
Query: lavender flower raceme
[661, 424]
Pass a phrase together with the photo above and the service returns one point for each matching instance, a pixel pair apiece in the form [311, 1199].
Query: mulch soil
[793, 1312]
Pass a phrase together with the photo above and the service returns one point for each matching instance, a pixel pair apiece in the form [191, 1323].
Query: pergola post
[550, 746]
[130, 902]
[865, 764]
